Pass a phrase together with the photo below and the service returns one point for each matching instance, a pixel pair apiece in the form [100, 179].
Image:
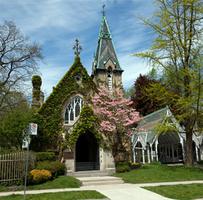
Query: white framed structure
[148, 145]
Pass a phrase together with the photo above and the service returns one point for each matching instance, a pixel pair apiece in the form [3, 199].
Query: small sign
[33, 129]
[25, 144]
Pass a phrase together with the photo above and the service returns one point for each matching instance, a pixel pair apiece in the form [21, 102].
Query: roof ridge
[155, 112]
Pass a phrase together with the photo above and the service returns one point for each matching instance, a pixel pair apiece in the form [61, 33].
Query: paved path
[114, 192]
[126, 192]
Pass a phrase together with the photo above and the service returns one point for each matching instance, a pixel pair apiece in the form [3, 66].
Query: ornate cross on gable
[77, 48]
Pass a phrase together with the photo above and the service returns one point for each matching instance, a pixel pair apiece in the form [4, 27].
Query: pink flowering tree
[116, 118]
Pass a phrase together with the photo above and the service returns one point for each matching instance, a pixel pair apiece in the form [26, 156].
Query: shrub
[200, 162]
[122, 167]
[135, 165]
[55, 167]
[40, 176]
[42, 156]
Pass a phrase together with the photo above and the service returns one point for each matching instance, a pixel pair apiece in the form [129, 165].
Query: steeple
[105, 48]
[106, 68]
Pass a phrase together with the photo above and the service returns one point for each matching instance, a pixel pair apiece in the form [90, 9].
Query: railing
[12, 166]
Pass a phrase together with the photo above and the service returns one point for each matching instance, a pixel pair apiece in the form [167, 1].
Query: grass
[181, 192]
[60, 182]
[161, 173]
[75, 195]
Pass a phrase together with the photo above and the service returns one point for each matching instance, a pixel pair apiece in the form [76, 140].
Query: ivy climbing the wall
[36, 82]
[50, 115]
[88, 122]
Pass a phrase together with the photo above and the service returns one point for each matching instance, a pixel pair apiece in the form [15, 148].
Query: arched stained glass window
[73, 110]
[66, 116]
[71, 115]
[77, 110]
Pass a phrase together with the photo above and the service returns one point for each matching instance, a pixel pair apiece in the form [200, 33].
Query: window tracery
[73, 109]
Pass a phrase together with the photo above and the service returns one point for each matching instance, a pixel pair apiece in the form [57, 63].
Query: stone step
[92, 173]
[100, 180]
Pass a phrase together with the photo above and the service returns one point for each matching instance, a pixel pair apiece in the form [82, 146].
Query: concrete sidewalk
[114, 192]
[126, 192]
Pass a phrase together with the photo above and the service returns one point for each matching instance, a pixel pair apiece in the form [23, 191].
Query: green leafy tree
[142, 101]
[177, 52]
[12, 126]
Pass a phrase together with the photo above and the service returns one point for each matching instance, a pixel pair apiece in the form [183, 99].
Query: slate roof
[144, 131]
[105, 49]
[149, 122]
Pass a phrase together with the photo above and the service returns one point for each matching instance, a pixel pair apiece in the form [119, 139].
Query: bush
[135, 165]
[55, 167]
[200, 162]
[40, 176]
[42, 156]
[122, 167]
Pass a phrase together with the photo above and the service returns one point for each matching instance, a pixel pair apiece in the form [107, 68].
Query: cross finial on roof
[103, 9]
[77, 48]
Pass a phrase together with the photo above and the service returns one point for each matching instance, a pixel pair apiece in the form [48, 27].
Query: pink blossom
[114, 111]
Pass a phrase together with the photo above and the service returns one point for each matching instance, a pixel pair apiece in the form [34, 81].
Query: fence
[12, 166]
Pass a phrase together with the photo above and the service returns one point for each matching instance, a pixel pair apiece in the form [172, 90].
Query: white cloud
[56, 23]
[132, 67]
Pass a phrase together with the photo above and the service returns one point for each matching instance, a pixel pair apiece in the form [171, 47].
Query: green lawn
[182, 192]
[161, 173]
[75, 195]
[60, 182]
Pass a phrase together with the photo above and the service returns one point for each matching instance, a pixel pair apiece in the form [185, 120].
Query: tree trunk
[189, 149]
[119, 151]
[121, 156]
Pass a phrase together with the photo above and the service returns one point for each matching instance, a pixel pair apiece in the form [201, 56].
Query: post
[183, 149]
[148, 155]
[197, 153]
[156, 149]
[133, 154]
[26, 170]
[31, 130]
[143, 156]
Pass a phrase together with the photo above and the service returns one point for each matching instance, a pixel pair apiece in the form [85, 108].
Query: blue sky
[55, 24]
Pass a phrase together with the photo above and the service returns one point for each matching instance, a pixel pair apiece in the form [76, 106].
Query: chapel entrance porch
[87, 153]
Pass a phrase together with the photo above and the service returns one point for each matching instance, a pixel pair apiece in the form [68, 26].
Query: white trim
[143, 156]
[71, 107]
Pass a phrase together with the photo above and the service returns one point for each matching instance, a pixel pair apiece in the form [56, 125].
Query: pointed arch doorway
[87, 153]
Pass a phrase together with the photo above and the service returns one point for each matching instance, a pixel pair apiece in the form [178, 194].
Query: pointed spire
[104, 28]
[105, 48]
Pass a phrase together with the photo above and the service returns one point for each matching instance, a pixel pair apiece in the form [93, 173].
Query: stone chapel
[60, 113]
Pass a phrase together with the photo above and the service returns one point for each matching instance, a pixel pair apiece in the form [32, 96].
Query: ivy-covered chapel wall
[50, 117]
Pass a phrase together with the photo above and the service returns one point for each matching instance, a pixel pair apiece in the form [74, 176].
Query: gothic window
[73, 109]
[110, 77]
[66, 116]
[77, 110]
[71, 115]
